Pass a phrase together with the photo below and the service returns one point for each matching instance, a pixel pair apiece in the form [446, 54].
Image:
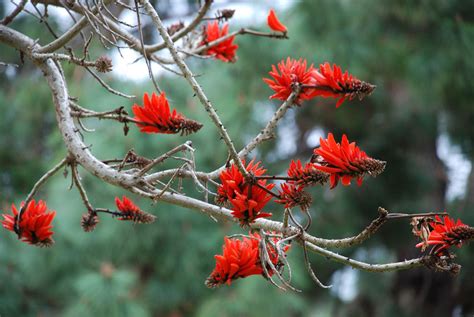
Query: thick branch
[58, 87]
[69, 34]
[388, 267]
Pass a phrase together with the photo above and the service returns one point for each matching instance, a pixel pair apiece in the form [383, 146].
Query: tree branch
[9, 18]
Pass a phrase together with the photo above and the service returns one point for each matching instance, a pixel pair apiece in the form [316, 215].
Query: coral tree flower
[331, 82]
[130, 211]
[226, 50]
[292, 192]
[306, 175]
[292, 195]
[155, 117]
[286, 75]
[241, 258]
[247, 199]
[274, 23]
[35, 223]
[445, 233]
[344, 161]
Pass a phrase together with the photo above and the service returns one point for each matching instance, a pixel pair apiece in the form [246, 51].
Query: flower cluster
[246, 197]
[325, 82]
[240, 259]
[225, 50]
[130, 211]
[286, 75]
[35, 226]
[306, 175]
[292, 195]
[344, 161]
[332, 82]
[444, 233]
[155, 117]
[334, 161]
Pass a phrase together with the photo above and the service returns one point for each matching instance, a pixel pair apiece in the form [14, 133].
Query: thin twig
[267, 132]
[308, 266]
[108, 211]
[43, 19]
[224, 38]
[266, 190]
[68, 35]
[144, 53]
[186, 30]
[110, 89]
[268, 261]
[80, 188]
[8, 64]
[396, 215]
[36, 187]
[163, 157]
[9, 18]
[276, 177]
[167, 186]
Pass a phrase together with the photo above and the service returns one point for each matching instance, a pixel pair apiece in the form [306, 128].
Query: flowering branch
[243, 187]
[264, 135]
[188, 75]
[37, 186]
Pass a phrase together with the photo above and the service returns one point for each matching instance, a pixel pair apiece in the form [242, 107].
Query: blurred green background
[419, 119]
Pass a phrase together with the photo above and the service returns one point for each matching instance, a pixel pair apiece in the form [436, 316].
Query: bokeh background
[419, 119]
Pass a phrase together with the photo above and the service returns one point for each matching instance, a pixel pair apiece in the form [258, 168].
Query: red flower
[241, 258]
[247, 208]
[155, 117]
[35, 223]
[287, 75]
[446, 233]
[232, 180]
[307, 175]
[130, 211]
[292, 195]
[333, 83]
[225, 51]
[247, 199]
[274, 23]
[344, 161]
